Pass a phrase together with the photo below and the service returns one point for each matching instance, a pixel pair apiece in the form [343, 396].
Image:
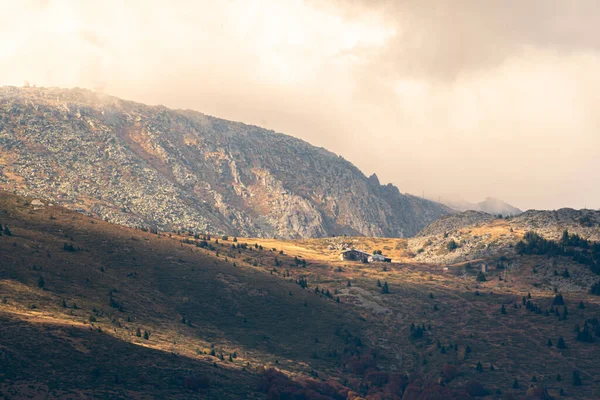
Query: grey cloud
[446, 38]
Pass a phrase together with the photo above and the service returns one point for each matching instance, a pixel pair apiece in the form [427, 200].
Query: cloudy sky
[462, 98]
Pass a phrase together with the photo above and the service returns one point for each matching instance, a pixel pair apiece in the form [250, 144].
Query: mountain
[140, 165]
[490, 205]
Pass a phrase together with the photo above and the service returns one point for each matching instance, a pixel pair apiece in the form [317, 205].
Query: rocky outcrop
[139, 165]
[480, 235]
[456, 221]
[551, 224]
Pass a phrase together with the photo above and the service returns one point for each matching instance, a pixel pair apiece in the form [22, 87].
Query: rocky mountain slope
[481, 235]
[135, 165]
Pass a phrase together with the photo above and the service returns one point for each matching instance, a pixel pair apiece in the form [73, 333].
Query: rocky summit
[151, 166]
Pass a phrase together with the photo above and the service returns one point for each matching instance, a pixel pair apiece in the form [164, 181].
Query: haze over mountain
[490, 205]
[178, 169]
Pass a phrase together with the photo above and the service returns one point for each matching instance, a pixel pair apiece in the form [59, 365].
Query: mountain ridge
[490, 205]
[135, 165]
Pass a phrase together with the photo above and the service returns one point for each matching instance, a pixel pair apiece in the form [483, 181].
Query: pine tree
[576, 378]
[41, 282]
[479, 367]
[481, 277]
[385, 289]
[503, 309]
[146, 335]
[515, 384]
[561, 343]
[138, 332]
[581, 305]
[549, 344]
[558, 300]
[378, 283]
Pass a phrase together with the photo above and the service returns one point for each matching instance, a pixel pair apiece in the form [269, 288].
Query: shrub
[558, 300]
[576, 378]
[449, 372]
[417, 333]
[452, 245]
[474, 388]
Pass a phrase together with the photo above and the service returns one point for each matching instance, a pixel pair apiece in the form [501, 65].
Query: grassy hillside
[80, 310]
[75, 291]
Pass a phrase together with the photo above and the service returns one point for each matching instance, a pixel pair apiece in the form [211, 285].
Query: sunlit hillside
[191, 315]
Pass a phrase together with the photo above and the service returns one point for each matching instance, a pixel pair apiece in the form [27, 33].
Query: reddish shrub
[412, 392]
[358, 365]
[396, 384]
[376, 378]
[331, 388]
[415, 377]
[538, 393]
[354, 396]
[435, 392]
[449, 372]
[272, 378]
[474, 388]
[310, 394]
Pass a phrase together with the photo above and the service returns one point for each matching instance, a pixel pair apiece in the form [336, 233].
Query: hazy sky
[454, 98]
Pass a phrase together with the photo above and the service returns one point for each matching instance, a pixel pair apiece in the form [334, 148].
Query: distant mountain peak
[490, 205]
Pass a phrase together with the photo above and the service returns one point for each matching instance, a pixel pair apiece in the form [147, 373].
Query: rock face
[151, 166]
